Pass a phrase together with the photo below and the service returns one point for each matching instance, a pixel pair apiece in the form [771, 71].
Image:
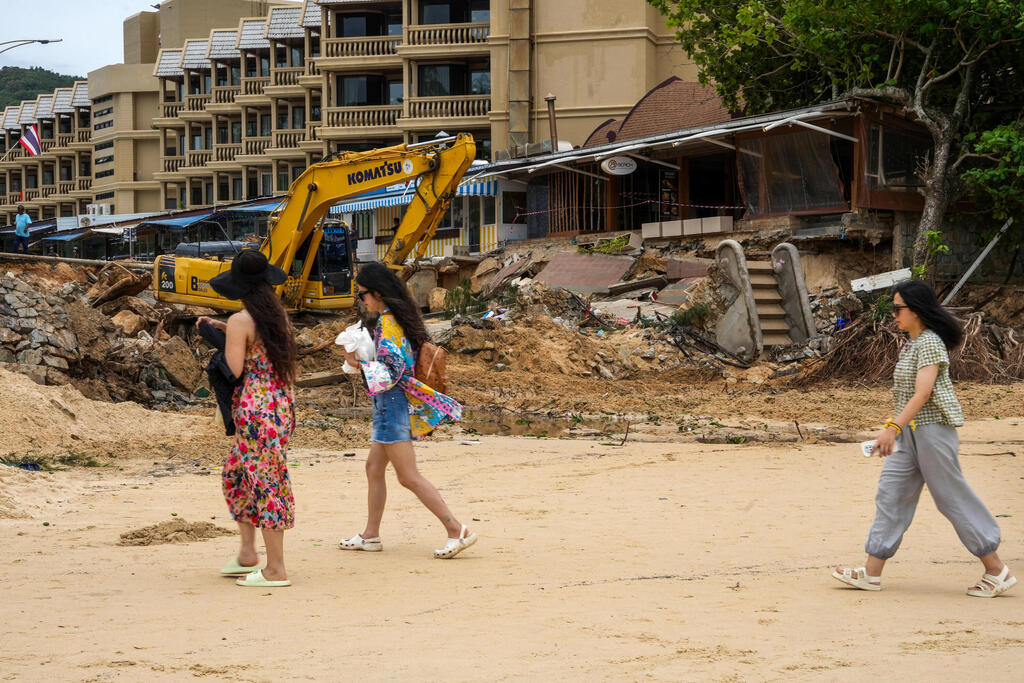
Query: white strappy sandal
[990, 585]
[454, 546]
[858, 578]
[357, 542]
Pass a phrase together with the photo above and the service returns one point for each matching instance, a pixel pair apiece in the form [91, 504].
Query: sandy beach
[661, 561]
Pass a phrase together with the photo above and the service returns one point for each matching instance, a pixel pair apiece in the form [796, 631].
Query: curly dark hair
[274, 328]
[378, 278]
[919, 297]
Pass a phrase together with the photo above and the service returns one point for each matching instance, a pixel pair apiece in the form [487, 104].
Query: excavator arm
[433, 170]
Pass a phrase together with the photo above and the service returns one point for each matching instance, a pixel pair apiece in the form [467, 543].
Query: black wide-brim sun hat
[248, 269]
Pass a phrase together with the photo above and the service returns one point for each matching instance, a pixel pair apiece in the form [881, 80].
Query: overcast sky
[92, 32]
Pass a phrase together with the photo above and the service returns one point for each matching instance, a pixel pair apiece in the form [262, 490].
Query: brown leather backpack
[431, 367]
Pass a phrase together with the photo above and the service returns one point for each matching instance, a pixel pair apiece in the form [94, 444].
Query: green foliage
[612, 246]
[998, 184]
[882, 308]
[693, 316]
[935, 246]
[460, 300]
[17, 84]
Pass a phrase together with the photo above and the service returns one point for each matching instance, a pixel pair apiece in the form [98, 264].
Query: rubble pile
[55, 336]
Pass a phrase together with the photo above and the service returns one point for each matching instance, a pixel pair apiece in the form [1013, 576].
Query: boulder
[130, 322]
[179, 363]
[435, 300]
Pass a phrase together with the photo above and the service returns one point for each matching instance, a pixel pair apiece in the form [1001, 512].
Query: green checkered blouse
[942, 406]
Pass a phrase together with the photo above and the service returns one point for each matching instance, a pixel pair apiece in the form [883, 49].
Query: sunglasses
[361, 293]
[896, 308]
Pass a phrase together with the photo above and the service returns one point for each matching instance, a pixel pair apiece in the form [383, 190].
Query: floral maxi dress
[256, 484]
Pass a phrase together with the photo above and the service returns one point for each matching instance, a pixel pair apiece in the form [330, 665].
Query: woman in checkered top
[920, 445]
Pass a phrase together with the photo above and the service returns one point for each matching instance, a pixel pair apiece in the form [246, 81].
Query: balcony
[172, 109]
[288, 139]
[84, 135]
[65, 139]
[254, 146]
[66, 187]
[47, 190]
[32, 194]
[227, 152]
[199, 158]
[312, 69]
[17, 151]
[364, 46]
[84, 184]
[47, 145]
[456, 106]
[197, 103]
[226, 94]
[284, 80]
[172, 164]
[253, 88]
[363, 117]
[14, 198]
[453, 39]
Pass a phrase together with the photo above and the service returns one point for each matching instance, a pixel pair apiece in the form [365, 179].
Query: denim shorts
[391, 416]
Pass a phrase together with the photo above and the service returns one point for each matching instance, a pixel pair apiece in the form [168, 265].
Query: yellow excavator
[317, 256]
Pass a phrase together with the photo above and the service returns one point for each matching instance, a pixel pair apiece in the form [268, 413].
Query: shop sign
[618, 166]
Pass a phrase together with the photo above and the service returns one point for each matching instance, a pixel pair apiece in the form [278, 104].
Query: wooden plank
[320, 379]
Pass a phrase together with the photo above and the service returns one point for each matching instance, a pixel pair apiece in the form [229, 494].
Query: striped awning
[399, 194]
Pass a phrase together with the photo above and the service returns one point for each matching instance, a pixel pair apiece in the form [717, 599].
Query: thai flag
[30, 141]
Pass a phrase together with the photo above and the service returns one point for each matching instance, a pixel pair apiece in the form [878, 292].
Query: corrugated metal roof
[28, 113]
[62, 101]
[194, 56]
[10, 118]
[80, 95]
[44, 107]
[284, 23]
[250, 35]
[168, 64]
[311, 15]
[223, 45]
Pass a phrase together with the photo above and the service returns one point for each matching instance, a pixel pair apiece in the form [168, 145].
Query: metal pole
[550, 99]
[977, 261]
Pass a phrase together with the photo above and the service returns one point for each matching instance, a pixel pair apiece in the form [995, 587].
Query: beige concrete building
[99, 143]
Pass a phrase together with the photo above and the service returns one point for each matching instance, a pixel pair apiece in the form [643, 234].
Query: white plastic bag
[356, 339]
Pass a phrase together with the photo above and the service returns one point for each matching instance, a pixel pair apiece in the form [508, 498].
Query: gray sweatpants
[928, 456]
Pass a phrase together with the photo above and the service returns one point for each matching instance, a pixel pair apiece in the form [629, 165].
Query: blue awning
[395, 195]
[67, 236]
[176, 222]
[262, 207]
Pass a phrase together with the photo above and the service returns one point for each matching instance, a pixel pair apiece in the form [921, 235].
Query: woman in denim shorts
[404, 409]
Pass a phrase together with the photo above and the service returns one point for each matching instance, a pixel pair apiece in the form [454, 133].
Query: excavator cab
[333, 269]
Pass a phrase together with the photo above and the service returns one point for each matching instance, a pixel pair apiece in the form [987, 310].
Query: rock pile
[56, 337]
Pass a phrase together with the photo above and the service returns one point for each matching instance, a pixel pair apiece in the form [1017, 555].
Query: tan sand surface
[651, 561]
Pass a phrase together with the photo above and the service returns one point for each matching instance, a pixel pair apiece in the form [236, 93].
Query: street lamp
[27, 41]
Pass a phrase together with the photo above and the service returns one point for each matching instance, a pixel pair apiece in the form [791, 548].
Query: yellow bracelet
[890, 423]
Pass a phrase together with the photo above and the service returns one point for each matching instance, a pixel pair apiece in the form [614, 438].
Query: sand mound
[46, 421]
[174, 531]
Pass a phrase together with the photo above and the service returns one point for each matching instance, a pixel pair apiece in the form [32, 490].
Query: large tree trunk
[936, 199]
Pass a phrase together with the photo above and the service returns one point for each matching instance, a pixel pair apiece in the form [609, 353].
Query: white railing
[449, 107]
[363, 117]
[366, 46]
[449, 34]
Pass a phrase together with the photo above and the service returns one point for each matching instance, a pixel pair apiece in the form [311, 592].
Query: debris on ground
[174, 531]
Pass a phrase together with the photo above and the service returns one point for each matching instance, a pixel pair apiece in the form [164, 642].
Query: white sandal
[357, 542]
[990, 585]
[454, 546]
[858, 578]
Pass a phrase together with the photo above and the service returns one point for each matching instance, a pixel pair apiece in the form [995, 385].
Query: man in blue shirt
[21, 222]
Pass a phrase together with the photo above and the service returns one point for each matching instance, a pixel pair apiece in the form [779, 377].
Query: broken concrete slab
[678, 269]
[677, 293]
[585, 273]
[880, 280]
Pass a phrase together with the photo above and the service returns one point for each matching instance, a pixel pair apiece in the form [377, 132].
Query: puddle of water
[522, 425]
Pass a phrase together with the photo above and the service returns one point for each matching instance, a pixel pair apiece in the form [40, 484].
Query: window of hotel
[265, 125]
[265, 65]
[454, 11]
[195, 84]
[104, 160]
[436, 12]
[298, 57]
[222, 191]
[208, 138]
[480, 81]
[207, 83]
[85, 167]
[222, 135]
[236, 188]
[315, 112]
[280, 56]
[396, 92]
[394, 23]
[65, 173]
[314, 45]
[298, 117]
[103, 112]
[46, 129]
[197, 139]
[251, 66]
[236, 75]
[359, 25]
[483, 149]
[297, 170]
[209, 193]
[282, 117]
[236, 132]
[479, 11]
[31, 181]
[48, 176]
[64, 124]
[105, 174]
[446, 80]
[222, 75]
[197, 196]
[360, 91]
[251, 127]
[282, 179]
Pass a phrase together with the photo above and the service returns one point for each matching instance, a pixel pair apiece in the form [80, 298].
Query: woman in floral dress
[260, 349]
[404, 408]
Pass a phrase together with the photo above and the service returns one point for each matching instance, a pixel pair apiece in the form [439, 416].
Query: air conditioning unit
[92, 209]
[106, 209]
[84, 222]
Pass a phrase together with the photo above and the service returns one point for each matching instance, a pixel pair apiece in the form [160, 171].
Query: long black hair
[274, 328]
[919, 297]
[378, 278]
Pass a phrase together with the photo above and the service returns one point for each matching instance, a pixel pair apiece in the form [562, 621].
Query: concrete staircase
[768, 300]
